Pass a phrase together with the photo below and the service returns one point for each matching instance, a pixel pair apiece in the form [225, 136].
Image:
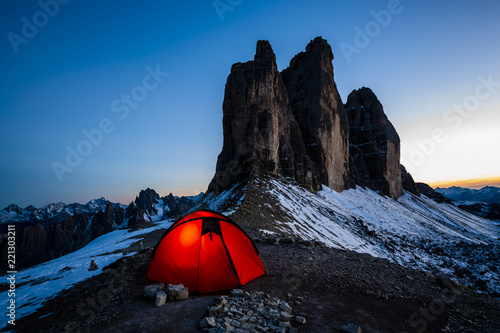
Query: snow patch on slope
[161, 210]
[413, 231]
[43, 282]
[226, 202]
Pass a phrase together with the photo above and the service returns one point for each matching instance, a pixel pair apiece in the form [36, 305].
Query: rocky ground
[335, 287]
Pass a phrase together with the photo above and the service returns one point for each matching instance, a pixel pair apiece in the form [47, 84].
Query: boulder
[177, 292]
[151, 290]
[93, 266]
[161, 298]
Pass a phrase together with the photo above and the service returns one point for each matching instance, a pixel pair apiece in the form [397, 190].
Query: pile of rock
[161, 293]
[250, 312]
[93, 266]
[275, 239]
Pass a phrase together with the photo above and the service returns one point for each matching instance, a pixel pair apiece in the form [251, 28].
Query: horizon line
[469, 183]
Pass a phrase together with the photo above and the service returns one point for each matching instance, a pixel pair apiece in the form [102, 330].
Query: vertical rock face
[408, 182]
[317, 107]
[374, 142]
[260, 132]
[294, 124]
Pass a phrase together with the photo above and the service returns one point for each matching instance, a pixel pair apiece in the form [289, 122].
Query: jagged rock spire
[376, 141]
[294, 124]
[317, 107]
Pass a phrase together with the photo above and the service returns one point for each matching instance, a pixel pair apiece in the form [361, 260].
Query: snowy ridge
[227, 202]
[413, 231]
[161, 211]
[14, 213]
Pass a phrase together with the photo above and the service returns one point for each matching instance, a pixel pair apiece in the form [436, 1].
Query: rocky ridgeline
[293, 124]
[247, 312]
[43, 236]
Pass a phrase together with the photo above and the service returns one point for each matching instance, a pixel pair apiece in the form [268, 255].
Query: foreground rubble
[331, 289]
[246, 312]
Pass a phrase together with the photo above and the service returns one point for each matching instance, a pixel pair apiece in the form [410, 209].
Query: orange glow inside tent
[206, 252]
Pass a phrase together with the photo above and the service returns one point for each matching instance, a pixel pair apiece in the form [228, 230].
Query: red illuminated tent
[206, 252]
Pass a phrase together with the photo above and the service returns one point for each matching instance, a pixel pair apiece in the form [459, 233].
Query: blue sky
[422, 61]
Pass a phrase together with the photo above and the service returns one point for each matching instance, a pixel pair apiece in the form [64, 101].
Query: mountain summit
[293, 124]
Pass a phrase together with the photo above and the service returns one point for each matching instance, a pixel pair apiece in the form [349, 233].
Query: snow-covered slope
[412, 231]
[36, 285]
[161, 210]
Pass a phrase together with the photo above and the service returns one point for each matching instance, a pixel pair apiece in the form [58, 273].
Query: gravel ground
[339, 287]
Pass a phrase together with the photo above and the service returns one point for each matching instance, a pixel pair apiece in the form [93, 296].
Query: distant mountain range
[57, 229]
[484, 202]
[15, 214]
[488, 194]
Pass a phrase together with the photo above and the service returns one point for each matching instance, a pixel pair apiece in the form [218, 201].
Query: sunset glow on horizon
[469, 183]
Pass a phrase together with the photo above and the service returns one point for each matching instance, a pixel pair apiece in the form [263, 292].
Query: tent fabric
[206, 252]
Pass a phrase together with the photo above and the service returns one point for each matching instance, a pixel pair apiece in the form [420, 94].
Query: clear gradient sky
[435, 66]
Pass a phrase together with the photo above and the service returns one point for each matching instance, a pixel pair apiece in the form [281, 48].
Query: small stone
[237, 293]
[177, 292]
[183, 294]
[93, 266]
[350, 328]
[285, 316]
[292, 329]
[213, 311]
[280, 329]
[274, 313]
[151, 290]
[161, 298]
[285, 307]
[208, 322]
[300, 319]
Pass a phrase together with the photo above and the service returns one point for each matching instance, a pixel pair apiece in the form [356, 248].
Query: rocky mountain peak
[320, 113]
[13, 208]
[376, 143]
[261, 135]
[319, 48]
[294, 124]
[147, 198]
[264, 51]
